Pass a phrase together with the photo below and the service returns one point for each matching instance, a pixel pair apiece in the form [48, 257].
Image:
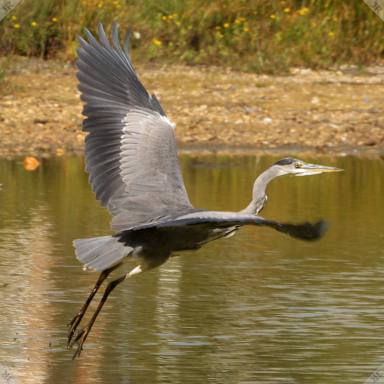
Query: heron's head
[291, 166]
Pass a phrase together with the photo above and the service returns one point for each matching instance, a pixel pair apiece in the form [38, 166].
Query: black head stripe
[286, 161]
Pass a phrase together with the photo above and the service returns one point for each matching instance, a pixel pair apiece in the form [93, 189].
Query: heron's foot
[73, 324]
[80, 340]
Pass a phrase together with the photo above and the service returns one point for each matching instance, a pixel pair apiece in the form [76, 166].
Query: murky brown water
[257, 308]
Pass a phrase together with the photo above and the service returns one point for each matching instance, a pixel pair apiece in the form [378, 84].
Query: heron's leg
[77, 318]
[82, 336]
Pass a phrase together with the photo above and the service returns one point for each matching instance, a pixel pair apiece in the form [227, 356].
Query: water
[259, 307]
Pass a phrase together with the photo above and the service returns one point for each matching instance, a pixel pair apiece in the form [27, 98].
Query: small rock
[40, 121]
[267, 120]
[315, 100]
[60, 151]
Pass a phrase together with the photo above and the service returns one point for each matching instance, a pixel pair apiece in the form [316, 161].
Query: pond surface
[259, 307]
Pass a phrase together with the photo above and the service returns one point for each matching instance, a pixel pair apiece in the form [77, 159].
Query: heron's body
[131, 157]
[153, 246]
[169, 240]
[173, 236]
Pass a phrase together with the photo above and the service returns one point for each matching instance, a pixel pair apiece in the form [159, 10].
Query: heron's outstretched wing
[217, 219]
[130, 150]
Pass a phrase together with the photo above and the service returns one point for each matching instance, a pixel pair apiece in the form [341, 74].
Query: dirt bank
[40, 109]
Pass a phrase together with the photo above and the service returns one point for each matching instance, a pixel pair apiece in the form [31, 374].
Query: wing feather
[131, 153]
[218, 219]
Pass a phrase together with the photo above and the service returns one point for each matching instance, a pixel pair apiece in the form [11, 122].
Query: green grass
[4, 67]
[260, 36]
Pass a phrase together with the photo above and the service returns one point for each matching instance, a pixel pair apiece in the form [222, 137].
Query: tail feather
[100, 253]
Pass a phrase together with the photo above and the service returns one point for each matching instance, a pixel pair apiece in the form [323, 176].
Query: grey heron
[131, 158]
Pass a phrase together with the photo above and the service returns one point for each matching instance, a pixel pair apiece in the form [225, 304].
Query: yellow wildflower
[100, 5]
[246, 29]
[287, 10]
[157, 42]
[16, 26]
[303, 11]
[34, 24]
[164, 17]
[226, 25]
[14, 18]
[273, 17]
[55, 19]
[239, 20]
[331, 35]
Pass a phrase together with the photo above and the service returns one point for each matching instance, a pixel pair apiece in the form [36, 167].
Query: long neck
[258, 195]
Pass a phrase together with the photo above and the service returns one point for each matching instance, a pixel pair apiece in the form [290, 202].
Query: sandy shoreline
[214, 109]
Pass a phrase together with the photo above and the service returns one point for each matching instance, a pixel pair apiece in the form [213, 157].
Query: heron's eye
[298, 165]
